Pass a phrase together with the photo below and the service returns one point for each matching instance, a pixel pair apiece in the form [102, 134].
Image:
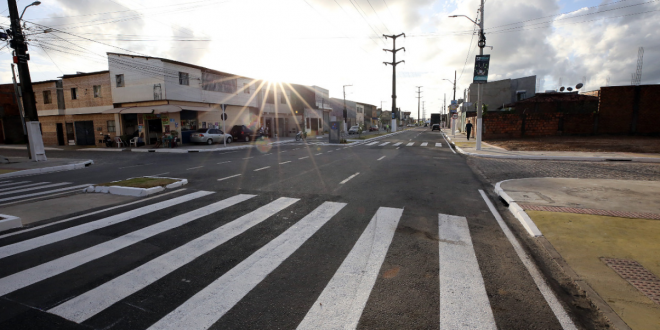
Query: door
[70, 136]
[281, 130]
[60, 134]
[155, 127]
[84, 133]
[269, 127]
[315, 125]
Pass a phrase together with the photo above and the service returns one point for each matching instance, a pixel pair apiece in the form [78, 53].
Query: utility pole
[345, 111]
[394, 64]
[454, 84]
[419, 96]
[21, 59]
[481, 44]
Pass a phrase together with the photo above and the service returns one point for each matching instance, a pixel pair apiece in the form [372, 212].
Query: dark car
[436, 127]
[242, 133]
[373, 128]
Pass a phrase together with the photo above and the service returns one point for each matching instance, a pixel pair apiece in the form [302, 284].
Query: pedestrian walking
[468, 129]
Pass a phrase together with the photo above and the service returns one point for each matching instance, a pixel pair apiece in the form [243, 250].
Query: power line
[377, 16]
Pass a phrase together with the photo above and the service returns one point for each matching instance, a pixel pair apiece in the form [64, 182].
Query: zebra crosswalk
[12, 192]
[339, 305]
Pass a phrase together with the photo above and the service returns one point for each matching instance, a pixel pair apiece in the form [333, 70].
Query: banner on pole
[481, 65]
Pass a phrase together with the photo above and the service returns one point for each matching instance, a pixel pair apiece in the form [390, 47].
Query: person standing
[468, 129]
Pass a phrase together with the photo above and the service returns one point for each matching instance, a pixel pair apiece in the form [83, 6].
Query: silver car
[209, 136]
[353, 130]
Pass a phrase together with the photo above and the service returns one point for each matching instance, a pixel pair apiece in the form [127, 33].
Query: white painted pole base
[37, 150]
[479, 133]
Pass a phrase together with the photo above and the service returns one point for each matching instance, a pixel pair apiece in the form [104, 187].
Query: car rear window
[201, 130]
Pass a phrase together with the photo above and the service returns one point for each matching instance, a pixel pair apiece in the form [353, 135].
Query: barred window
[47, 98]
[97, 91]
[111, 126]
[183, 78]
[120, 80]
[218, 83]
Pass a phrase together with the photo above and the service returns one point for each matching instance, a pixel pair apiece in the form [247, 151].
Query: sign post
[481, 65]
[224, 119]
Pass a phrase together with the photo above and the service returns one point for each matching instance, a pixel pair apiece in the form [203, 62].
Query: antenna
[607, 81]
[637, 78]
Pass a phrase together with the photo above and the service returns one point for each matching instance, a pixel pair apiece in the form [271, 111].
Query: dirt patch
[141, 182]
[637, 144]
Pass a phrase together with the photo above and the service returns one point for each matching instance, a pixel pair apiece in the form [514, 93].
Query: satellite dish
[561, 89]
[578, 86]
[569, 89]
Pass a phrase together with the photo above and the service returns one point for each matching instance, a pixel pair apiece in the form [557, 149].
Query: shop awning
[167, 108]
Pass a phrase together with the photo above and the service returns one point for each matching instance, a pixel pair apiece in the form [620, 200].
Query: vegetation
[141, 182]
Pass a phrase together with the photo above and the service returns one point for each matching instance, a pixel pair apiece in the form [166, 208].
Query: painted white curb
[101, 149]
[135, 192]
[45, 170]
[9, 221]
[518, 211]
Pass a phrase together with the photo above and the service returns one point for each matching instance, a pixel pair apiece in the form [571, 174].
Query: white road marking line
[397, 148]
[268, 154]
[438, 144]
[88, 214]
[372, 143]
[449, 145]
[303, 157]
[463, 299]
[25, 186]
[320, 153]
[397, 144]
[135, 166]
[282, 163]
[12, 184]
[381, 158]
[96, 300]
[248, 157]
[161, 174]
[229, 161]
[329, 150]
[49, 269]
[11, 249]
[229, 177]
[29, 199]
[192, 168]
[424, 144]
[211, 303]
[384, 144]
[350, 177]
[547, 293]
[410, 144]
[341, 303]
[263, 168]
[44, 192]
[34, 188]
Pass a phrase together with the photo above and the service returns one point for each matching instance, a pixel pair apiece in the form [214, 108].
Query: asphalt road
[370, 236]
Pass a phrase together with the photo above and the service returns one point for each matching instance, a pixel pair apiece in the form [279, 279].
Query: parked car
[209, 136]
[436, 127]
[243, 133]
[353, 129]
[373, 128]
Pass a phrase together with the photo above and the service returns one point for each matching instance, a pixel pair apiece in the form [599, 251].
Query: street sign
[454, 102]
[453, 107]
[481, 65]
[455, 116]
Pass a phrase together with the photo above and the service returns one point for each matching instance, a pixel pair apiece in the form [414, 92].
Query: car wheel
[209, 141]
[228, 140]
[247, 139]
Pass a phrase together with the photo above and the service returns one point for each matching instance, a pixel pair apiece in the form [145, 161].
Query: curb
[582, 285]
[134, 192]
[518, 211]
[9, 222]
[45, 170]
[564, 158]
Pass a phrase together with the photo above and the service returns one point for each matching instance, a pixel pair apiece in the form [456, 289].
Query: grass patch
[140, 182]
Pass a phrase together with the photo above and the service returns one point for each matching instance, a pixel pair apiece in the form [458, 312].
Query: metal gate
[84, 133]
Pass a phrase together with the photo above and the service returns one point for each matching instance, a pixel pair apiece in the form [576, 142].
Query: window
[97, 91]
[521, 95]
[74, 93]
[111, 126]
[218, 83]
[246, 88]
[120, 80]
[183, 78]
[47, 98]
[282, 98]
[270, 98]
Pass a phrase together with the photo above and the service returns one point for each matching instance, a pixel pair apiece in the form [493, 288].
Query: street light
[36, 3]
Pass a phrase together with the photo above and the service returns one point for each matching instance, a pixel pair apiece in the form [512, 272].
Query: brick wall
[49, 126]
[10, 119]
[648, 121]
[615, 109]
[85, 91]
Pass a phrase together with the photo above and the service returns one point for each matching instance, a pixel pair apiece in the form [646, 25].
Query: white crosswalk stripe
[383, 144]
[410, 144]
[24, 186]
[12, 249]
[92, 302]
[463, 300]
[13, 183]
[34, 188]
[343, 299]
[424, 144]
[372, 143]
[210, 304]
[438, 144]
[397, 144]
[43, 193]
[39, 273]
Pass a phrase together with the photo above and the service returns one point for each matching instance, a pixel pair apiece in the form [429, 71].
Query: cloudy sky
[331, 43]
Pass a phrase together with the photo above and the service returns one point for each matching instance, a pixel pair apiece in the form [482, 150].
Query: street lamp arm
[36, 3]
[475, 23]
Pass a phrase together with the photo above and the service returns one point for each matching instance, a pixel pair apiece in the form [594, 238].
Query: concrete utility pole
[419, 96]
[345, 114]
[394, 64]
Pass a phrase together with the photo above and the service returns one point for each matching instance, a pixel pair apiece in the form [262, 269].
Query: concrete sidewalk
[604, 234]
[19, 166]
[490, 151]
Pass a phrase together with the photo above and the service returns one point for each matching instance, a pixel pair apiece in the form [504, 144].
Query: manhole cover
[638, 276]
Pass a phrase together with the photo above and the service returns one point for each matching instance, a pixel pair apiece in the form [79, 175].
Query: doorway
[269, 127]
[85, 133]
[281, 129]
[155, 130]
[315, 126]
[70, 136]
[60, 134]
